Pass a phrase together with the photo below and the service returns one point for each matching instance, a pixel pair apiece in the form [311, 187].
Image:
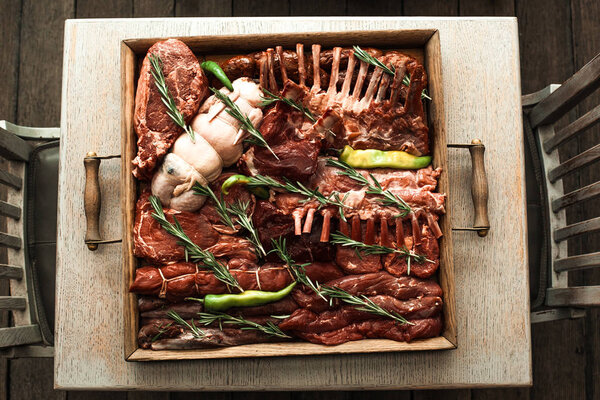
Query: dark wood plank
[317, 7]
[486, 7]
[545, 43]
[577, 127]
[6, 178]
[76, 395]
[13, 147]
[262, 8]
[9, 58]
[586, 37]
[571, 93]
[577, 262]
[322, 395]
[153, 8]
[261, 396]
[431, 7]
[104, 8]
[455, 394]
[500, 394]
[10, 32]
[201, 395]
[148, 396]
[40, 67]
[207, 8]
[10, 210]
[11, 241]
[558, 360]
[381, 8]
[585, 193]
[33, 378]
[576, 163]
[383, 395]
[10, 272]
[12, 303]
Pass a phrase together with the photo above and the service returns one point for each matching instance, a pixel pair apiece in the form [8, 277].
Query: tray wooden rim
[448, 339]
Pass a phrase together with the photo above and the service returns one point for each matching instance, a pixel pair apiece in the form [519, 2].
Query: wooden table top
[480, 69]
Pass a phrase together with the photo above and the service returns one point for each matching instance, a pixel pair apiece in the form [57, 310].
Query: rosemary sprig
[192, 250]
[220, 205]
[388, 198]
[343, 240]
[239, 210]
[299, 188]
[328, 293]
[196, 332]
[167, 99]
[232, 109]
[363, 303]
[272, 98]
[269, 328]
[298, 271]
[366, 57]
[161, 330]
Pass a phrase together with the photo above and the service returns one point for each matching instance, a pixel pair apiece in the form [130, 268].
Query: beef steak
[189, 87]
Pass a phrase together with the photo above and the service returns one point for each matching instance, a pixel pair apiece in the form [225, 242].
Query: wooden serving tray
[423, 44]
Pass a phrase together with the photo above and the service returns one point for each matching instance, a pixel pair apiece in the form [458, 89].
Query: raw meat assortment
[155, 130]
[318, 250]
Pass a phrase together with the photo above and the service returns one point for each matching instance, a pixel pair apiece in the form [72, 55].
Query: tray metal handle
[92, 200]
[479, 187]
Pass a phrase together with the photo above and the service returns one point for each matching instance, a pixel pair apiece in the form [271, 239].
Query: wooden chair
[29, 174]
[555, 298]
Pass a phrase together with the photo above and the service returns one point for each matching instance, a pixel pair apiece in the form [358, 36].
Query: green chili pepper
[371, 158]
[218, 72]
[260, 191]
[249, 298]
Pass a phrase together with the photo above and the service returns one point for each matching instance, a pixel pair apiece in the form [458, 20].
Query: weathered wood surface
[565, 364]
[484, 356]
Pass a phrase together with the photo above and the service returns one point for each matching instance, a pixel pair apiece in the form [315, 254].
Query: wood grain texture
[205, 8]
[585, 15]
[10, 31]
[456, 394]
[292, 349]
[491, 351]
[75, 395]
[153, 8]
[31, 378]
[317, 7]
[104, 8]
[41, 61]
[487, 7]
[384, 8]
[261, 8]
[431, 7]
[564, 379]
[150, 396]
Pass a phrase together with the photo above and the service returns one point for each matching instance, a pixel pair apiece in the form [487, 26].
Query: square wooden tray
[424, 45]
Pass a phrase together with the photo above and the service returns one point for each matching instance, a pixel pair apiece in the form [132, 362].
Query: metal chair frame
[542, 110]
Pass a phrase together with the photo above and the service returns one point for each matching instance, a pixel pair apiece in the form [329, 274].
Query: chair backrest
[16, 152]
[542, 119]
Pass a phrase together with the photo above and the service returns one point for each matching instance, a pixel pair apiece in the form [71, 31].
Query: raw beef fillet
[152, 242]
[189, 87]
[304, 320]
[180, 280]
[378, 328]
